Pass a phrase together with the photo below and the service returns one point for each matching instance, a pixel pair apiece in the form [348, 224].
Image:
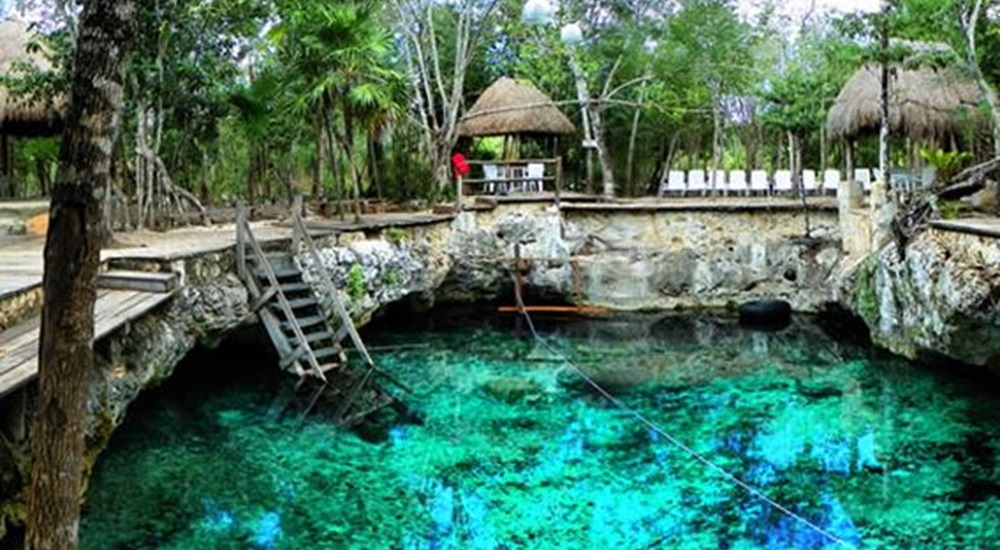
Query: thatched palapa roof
[20, 115]
[511, 107]
[926, 103]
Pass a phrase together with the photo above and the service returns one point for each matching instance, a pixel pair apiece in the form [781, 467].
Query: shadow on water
[518, 452]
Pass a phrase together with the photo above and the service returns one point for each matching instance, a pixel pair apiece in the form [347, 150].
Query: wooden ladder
[305, 329]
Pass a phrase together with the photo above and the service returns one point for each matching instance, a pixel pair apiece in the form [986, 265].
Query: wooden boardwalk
[22, 265]
[19, 345]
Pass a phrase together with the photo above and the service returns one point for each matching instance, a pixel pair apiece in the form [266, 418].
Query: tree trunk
[968, 18]
[593, 128]
[630, 165]
[716, 143]
[883, 135]
[317, 183]
[72, 253]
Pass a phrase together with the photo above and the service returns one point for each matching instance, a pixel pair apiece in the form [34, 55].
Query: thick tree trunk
[107, 29]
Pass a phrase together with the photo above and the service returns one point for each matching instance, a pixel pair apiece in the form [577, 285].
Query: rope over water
[722, 472]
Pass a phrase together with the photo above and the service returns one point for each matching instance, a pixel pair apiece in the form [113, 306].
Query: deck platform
[19, 345]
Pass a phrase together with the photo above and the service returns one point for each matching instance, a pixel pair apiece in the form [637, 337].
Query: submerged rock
[512, 390]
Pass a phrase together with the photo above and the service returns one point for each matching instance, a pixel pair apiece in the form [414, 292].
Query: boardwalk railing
[759, 182]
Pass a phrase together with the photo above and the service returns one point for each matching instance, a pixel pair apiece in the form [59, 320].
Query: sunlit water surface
[516, 452]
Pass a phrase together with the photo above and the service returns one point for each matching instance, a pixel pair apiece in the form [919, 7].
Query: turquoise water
[516, 452]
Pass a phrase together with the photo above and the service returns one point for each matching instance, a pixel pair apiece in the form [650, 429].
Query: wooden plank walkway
[19, 345]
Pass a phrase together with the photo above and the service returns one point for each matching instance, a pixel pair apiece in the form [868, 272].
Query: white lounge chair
[696, 182]
[536, 171]
[738, 182]
[783, 181]
[491, 174]
[759, 183]
[717, 181]
[809, 184]
[674, 183]
[831, 181]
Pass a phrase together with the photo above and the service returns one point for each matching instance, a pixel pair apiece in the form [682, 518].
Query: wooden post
[458, 193]
[559, 183]
[519, 298]
[241, 259]
[298, 213]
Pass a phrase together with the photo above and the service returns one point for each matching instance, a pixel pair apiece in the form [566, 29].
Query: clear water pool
[517, 452]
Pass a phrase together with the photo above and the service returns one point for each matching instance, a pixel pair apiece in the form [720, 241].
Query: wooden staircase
[308, 323]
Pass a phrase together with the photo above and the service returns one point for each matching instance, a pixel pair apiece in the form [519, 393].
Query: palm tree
[341, 55]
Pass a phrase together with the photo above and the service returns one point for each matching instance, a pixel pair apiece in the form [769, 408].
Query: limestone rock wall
[940, 296]
[371, 273]
[646, 260]
[211, 302]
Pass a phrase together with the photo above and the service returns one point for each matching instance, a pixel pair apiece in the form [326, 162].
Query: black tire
[766, 313]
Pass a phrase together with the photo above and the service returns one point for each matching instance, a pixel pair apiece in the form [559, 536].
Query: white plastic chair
[696, 182]
[864, 177]
[783, 181]
[536, 171]
[738, 182]
[491, 174]
[809, 184]
[718, 181]
[758, 182]
[831, 181]
[675, 183]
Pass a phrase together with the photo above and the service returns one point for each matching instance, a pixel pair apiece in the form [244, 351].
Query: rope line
[676, 442]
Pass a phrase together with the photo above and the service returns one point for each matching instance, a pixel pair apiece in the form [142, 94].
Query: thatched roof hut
[512, 107]
[927, 104]
[20, 115]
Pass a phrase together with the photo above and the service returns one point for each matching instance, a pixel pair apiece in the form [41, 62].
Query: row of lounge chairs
[737, 182]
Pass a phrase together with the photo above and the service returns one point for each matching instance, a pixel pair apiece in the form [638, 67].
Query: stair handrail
[244, 235]
[301, 234]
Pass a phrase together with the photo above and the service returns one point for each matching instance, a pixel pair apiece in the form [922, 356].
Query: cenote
[515, 451]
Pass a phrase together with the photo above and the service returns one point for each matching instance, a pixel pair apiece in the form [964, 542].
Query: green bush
[356, 287]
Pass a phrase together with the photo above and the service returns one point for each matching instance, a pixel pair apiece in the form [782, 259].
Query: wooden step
[298, 303]
[141, 281]
[304, 322]
[295, 288]
[314, 337]
[327, 367]
[328, 352]
[288, 272]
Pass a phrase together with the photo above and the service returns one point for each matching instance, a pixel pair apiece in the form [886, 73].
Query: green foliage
[357, 287]
[316, 96]
[395, 235]
[947, 163]
[949, 209]
[390, 278]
